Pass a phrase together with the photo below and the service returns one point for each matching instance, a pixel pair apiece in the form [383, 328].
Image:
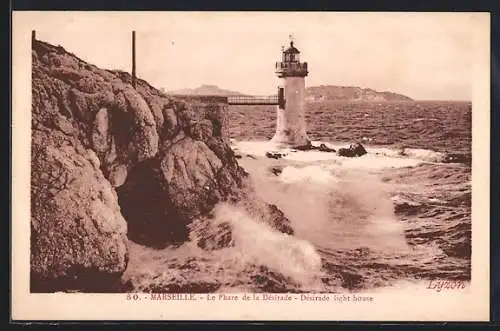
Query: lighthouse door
[281, 97]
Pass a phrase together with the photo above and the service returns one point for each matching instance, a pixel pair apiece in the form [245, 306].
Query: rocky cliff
[113, 163]
[351, 93]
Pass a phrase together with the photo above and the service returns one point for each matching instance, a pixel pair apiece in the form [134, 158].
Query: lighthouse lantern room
[291, 123]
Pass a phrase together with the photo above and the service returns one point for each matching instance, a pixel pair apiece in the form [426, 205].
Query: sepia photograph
[277, 158]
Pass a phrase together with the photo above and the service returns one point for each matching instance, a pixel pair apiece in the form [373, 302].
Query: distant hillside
[351, 93]
[204, 90]
[313, 93]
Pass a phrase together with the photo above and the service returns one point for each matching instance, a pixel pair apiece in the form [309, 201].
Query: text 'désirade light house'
[291, 122]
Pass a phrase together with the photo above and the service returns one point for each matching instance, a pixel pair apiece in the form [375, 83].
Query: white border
[422, 305]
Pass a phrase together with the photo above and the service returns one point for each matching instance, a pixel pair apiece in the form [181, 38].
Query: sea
[399, 215]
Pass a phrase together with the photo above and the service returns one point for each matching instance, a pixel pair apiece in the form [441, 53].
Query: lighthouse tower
[291, 121]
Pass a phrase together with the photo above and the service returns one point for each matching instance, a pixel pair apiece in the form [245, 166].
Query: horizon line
[316, 85]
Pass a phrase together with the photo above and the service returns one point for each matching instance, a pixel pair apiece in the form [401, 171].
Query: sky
[426, 56]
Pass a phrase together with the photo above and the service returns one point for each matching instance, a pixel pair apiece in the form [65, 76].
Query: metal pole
[133, 60]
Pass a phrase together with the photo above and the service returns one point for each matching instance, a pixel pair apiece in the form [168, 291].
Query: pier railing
[252, 100]
[238, 100]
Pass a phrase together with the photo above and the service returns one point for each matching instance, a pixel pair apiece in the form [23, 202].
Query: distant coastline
[351, 93]
[313, 93]
[204, 89]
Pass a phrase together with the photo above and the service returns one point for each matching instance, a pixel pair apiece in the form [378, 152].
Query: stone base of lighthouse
[290, 130]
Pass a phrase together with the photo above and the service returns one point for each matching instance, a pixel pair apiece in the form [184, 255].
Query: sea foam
[376, 158]
[257, 243]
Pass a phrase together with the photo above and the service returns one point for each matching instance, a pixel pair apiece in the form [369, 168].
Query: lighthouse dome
[291, 49]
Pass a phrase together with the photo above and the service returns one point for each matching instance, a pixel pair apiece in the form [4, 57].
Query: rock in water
[311, 147]
[110, 161]
[324, 148]
[210, 236]
[276, 170]
[274, 155]
[354, 150]
[277, 220]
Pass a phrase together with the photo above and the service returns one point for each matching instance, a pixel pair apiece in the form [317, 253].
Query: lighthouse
[291, 121]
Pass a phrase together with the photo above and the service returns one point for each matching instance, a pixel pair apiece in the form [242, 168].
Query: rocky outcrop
[77, 232]
[354, 150]
[324, 148]
[275, 155]
[110, 161]
[320, 148]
